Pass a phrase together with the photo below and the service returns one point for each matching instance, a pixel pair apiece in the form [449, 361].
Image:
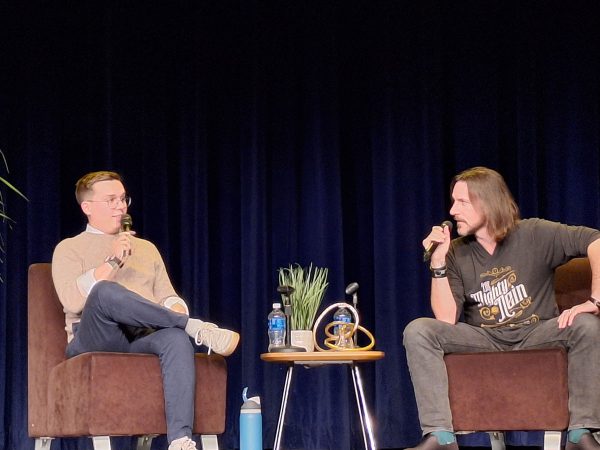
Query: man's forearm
[442, 300]
[593, 252]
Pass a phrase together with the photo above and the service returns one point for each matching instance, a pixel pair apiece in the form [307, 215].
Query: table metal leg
[360, 408]
[365, 419]
[284, 399]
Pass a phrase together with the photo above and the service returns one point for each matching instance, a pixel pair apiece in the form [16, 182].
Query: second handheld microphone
[126, 224]
[433, 245]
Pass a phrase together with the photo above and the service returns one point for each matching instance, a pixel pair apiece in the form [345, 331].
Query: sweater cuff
[173, 300]
[86, 282]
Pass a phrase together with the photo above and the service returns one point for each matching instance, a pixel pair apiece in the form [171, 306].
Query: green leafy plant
[309, 286]
[3, 216]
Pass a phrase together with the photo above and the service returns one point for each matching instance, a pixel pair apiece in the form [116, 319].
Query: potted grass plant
[3, 215]
[309, 286]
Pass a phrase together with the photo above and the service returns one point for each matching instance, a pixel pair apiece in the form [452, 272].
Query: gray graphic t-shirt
[513, 289]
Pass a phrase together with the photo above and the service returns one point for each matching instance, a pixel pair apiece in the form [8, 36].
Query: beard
[466, 229]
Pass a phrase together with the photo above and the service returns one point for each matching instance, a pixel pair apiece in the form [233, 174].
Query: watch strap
[438, 272]
[115, 262]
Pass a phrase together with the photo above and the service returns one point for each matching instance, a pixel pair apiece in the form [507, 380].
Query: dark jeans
[428, 340]
[115, 319]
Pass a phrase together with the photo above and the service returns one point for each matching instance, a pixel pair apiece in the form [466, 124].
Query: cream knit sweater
[76, 258]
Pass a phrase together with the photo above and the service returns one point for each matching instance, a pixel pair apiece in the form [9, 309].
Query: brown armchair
[518, 390]
[102, 394]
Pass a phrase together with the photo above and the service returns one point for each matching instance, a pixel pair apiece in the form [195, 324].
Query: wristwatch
[438, 272]
[595, 302]
[115, 262]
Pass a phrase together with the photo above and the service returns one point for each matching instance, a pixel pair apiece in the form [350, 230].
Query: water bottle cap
[276, 305]
[252, 403]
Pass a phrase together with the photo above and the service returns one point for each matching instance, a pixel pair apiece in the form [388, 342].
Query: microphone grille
[447, 223]
[351, 288]
[285, 290]
[126, 221]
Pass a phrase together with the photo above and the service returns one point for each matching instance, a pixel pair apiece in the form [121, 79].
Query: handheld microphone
[433, 245]
[126, 224]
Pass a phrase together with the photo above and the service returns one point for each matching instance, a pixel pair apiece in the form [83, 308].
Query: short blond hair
[490, 192]
[84, 185]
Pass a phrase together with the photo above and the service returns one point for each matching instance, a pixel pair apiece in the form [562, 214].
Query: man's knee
[419, 329]
[587, 326]
[105, 288]
[101, 292]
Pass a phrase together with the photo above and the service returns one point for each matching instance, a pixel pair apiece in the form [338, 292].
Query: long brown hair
[489, 191]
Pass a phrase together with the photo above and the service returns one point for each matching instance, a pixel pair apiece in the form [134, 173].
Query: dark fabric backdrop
[254, 134]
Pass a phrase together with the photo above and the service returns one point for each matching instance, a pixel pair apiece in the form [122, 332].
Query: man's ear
[85, 207]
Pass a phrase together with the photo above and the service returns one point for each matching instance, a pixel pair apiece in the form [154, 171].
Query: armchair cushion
[502, 391]
[96, 394]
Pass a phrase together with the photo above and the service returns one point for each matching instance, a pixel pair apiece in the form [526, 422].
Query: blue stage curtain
[255, 134]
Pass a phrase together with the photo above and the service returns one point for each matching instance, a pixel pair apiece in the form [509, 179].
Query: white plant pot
[303, 338]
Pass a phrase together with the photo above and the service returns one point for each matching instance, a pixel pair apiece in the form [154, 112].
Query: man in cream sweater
[117, 296]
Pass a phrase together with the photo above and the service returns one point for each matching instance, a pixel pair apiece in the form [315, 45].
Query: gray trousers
[109, 316]
[428, 340]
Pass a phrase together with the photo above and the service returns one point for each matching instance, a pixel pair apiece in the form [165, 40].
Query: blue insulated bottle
[250, 423]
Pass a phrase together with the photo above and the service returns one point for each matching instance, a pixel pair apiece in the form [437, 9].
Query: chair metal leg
[209, 442]
[552, 440]
[43, 443]
[497, 440]
[284, 399]
[363, 411]
[101, 442]
[145, 442]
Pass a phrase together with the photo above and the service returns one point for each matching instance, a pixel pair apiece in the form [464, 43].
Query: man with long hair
[117, 297]
[498, 274]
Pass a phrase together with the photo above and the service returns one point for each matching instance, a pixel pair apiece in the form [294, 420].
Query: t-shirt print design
[501, 301]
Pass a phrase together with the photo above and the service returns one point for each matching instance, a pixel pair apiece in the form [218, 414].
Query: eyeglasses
[114, 202]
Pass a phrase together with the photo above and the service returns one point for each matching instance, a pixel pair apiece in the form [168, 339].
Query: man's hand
[441, 236]
[568, 315]
[121, 246]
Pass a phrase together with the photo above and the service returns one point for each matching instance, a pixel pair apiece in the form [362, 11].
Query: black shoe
[587, 442]
[430, 442]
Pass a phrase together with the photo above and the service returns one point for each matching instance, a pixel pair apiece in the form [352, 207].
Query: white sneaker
[184, 443]
[217, 339]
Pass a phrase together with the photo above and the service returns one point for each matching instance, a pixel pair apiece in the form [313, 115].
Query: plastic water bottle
[342, 315]
[250, 423]
[276, 324]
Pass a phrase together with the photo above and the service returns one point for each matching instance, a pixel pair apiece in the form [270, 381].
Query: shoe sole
[235, 339]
